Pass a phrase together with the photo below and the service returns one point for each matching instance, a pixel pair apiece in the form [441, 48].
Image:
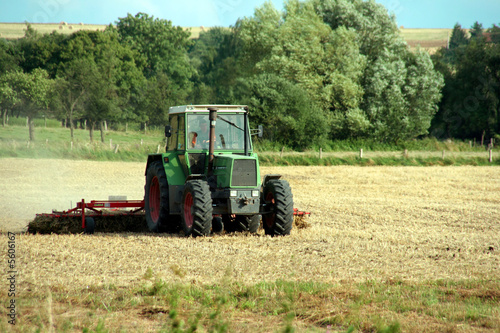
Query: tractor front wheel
[197, 208]
[278, 198]
[248, 223]
[156, 197]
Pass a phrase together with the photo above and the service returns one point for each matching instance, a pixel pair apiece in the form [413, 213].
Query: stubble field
[409, 224]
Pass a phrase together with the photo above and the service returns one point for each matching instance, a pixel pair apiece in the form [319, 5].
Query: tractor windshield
[229, 131]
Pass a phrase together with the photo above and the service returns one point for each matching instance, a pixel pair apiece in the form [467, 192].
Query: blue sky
[409, 13]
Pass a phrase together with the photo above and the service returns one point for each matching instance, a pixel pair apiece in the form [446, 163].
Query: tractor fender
[270, 177]
[195, 176]
[152, 158]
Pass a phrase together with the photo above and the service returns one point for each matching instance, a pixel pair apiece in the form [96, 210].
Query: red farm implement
[112, 216]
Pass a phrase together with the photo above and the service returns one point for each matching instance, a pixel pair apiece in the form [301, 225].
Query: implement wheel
[156, 198]
[279, 202]
[197, 208]
[89, 226]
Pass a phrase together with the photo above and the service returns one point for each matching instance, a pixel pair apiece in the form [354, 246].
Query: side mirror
[259, 131]
[168, 131]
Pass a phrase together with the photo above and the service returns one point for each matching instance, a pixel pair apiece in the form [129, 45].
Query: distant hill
[429, 39]
[16, 30]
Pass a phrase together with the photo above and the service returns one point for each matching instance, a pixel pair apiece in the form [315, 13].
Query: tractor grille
[244, 173]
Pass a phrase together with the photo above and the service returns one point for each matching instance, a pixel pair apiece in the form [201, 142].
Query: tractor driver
[201, 138]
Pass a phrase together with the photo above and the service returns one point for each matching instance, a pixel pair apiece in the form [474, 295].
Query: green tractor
[208, 180]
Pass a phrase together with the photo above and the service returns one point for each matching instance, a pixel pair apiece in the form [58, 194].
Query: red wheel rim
[154, 199]
[270, 217]
[188, 203]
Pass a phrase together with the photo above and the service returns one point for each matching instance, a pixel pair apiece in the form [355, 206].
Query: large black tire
[197, 208]
[156, 198]
[279, 200]
[248, 223]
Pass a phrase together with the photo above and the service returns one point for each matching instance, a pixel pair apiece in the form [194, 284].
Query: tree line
[471, 96]
[318, 70]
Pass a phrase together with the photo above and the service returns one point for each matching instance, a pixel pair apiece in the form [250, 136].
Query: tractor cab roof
[205, 108]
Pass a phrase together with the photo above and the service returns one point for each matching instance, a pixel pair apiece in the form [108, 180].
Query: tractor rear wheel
[197, 208]
[156, 198]
[279, 202]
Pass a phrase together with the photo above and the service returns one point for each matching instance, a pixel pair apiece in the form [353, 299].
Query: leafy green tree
[470, 104]
[392, 107]
[101, 76]
[476, 31]
[494, 33]
[7, 56]
[375, 29]
[73, 87]
[161, 54]
[215, 56]
[300, 48]
[458, 37]
[285, 110]
[159, 93]
[34, 91]
[491, 88]
[8, 97]
[35, 50]
[351, 60]
[163, 47]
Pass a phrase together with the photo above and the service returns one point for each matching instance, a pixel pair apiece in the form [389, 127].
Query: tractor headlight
[233, 193]
[255, 193]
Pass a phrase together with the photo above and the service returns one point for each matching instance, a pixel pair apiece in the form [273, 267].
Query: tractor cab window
[229, 131]
[172, 140]
[181, 134]
[176, 140]
[198, 131]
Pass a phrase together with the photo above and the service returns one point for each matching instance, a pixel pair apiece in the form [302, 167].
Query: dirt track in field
[412, 223]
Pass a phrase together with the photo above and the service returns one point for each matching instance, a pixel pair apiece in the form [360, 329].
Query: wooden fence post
[443, 154]
[320, 153]
[361, 153]
[491, 155]
[116, 148]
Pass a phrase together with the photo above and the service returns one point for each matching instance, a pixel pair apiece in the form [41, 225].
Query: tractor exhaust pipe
[211, 145]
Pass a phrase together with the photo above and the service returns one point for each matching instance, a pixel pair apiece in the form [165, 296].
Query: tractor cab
[189, 132]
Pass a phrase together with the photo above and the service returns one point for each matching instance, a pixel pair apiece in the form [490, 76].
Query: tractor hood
[236, 171]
